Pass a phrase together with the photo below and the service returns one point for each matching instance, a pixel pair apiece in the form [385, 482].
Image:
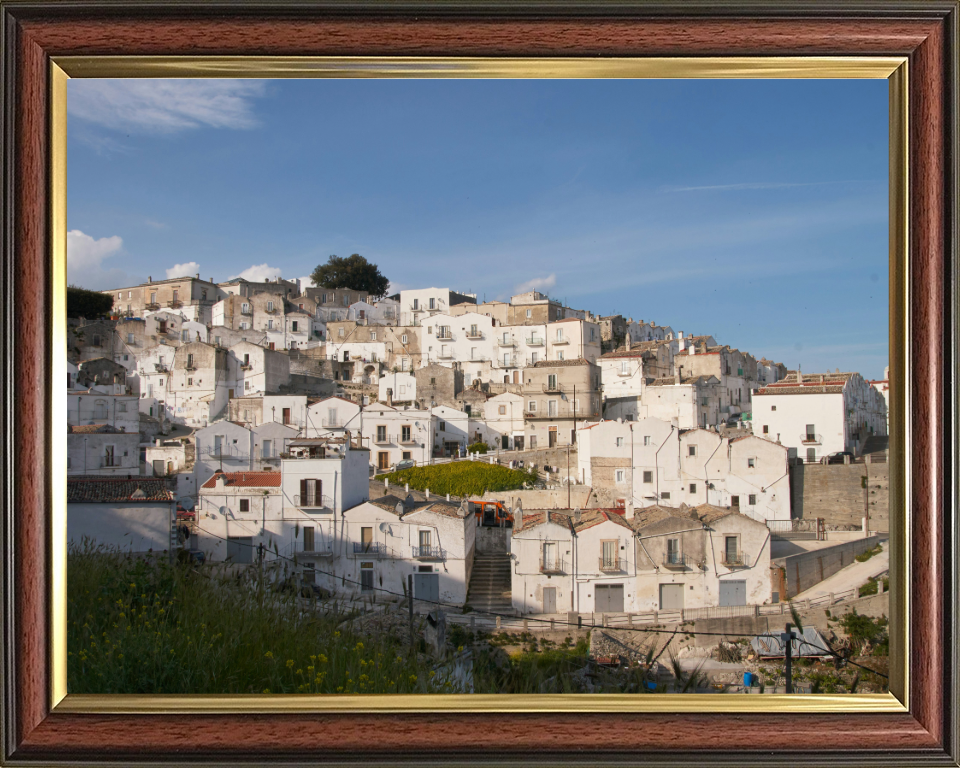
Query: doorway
[549, 600]
[608, 598]
[671, 597]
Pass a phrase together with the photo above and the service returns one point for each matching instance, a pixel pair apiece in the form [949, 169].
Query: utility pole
[410, 593]
[787, 638]
[568, 476]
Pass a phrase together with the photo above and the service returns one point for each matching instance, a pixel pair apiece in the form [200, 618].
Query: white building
[817, 414]
[397, 387]
[240, 515]
[102, 449]
[503, 420]
[331, 417]
[573, 338]
[692, 402]
[700, 557]
[270, 440]
[467, 339]
[131, 515]
[225, 446]
[451, 431]
[257, 369]
[386, 540]
[652, 462]
[397, 434]
[90, 407]
[417, 304]
[573, 560]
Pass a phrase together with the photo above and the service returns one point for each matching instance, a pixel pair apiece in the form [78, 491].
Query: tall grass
[145, 626]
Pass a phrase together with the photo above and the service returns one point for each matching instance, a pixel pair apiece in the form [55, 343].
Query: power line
[551, 622]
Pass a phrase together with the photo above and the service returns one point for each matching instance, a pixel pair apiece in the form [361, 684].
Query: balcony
[551, 565]
[312, 501]
[506, 342]
[161, 368]
[611, 564]
[478, 359]
[733, 560]
[810, 439]
[190, 367]
[384, 439]
[319, 549]
[336, 423]
[174, 303]
[534, 341]
[675, 561]
[561, 340]
[272, 310]
[247, 311]
[298, 330]
[446, 355]
[153, 306]
[369, 549]
[474, 334]
[554, 388]
[246, 367]
[408, 440]
[444, 336]
[428, 553]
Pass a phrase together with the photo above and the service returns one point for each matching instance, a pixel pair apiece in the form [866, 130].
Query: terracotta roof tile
[246, 479]
[107, 488]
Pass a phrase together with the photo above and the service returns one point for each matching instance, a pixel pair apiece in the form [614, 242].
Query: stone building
[559, 394]
[189, 296]
[438, 385]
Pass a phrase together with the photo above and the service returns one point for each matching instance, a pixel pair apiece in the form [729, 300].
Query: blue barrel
[748, 679]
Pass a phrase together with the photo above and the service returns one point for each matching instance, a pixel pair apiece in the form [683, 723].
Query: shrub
[864, 556]
[865, 632]
[870, 588]
[463, 478]
[477, 448]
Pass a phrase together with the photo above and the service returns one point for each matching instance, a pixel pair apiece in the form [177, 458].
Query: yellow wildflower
[268, 655]
[290, 663]
[266, 690]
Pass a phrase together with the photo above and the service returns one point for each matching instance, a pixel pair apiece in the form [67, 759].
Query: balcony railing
[245, 366]
[312, 501]
[445, 355]
[810, 439]
[333, 423]
[161, 368]
[506, 342]
[478, 359]
[561, 340]
[509, 362]
[474, 334]
[385, 439]
[557, 388]
[733, 560]
[152, 305]
[319, 549]
[271, 310]
[444, 336]
[408, 440]
[175, 303]
[611, 564]
[674, 560]
[551, 565]
[428, 553]
[371, 549]
[190, 367]
[535, 341]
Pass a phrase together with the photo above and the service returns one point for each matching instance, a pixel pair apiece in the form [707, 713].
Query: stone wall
[806, 569]
[835, 492]
[492, 540]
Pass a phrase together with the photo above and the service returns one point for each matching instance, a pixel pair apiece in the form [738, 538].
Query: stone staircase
[490, 585]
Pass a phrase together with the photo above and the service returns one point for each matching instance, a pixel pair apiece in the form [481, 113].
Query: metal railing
[333, 423]
[369, 549]
[247, 311]
[175, 303]
[161, 367]
[428, 553]
[506, 342]
[611, 564]
[319, 549]
[534, 341]
[561, 340]
[312, 501]
[246, 366]
[733, 559]
[448, 355]
[810, 439]
[474, 334]
[385, 439]
[152, 305]
[674, 560]
[555, 388]
[551, 565]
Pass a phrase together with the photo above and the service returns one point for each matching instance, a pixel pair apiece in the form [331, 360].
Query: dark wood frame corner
[925, 32]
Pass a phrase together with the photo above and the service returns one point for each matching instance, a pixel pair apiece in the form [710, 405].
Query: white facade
[820, 415]
[332, 416]
[418, 304]
[651, 462]
[693, 403]
[130, 526]
[381, 548]
[573, 338]
[88, 407]
[451, 431]
[466, 339]
[256, 369]
[102, 450]
[503, 419]
[225, 446]
[556, 571]
[397, 434]
[398, 387]
[270, 439]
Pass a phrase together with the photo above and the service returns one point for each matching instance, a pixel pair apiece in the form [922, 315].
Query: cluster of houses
[244, 420]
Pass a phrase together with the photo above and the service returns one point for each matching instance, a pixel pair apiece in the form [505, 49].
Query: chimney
[198, 275]
[628, 342]
[149, 279]
[157, 442]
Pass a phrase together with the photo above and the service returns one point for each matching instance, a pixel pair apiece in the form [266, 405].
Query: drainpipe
[656, 463]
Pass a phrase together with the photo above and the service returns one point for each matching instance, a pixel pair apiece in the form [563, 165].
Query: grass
[463, 478]
[870, 588]
[864, 556]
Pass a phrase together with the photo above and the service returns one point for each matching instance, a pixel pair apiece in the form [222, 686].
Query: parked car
[837, 457]
[405, 464]
[306, 589]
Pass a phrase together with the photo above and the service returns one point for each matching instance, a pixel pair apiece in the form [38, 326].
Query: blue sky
[755, 211]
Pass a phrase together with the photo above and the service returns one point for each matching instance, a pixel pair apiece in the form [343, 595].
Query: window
[270, 324]
[189, 361]
[373, 335]
[100, 409]
[416, 304]
[244, 505]
[648, 477]
[404, 363]
[811, 432]
[443, 426]
[734, 501]
[121, 407]
[366, 577]
[433, 303]
[665, 495]
[119, 294]
[424, 539]
[153, 297]
[625, 368]
[473, 353]
[673, 551]
[382, 433]
[766, 429]
[96, 340]
[184, 335]
[773, 407]
[269, 306]
[310, 492]
[752, 500]
[506, 360]
[129, 338]
[405, 433]
[646, 439]
[346, 300]
[308, 539]
[432, 381]
[407, 455]
[610, 554]
[619, 442]
[473, 330]
[294, 325]
[691, 450]
[244, 326]
[189, 382]
[559, 334]
[532, 406]
[267, 450]
[534, 357]
[502, 410]
[751, 462]
[176, 295]
[621, 475]
[559, 355]
[730, 549]
[340, 332]
[693, 487]
[529, 313]
[244, 308]
[216, 340]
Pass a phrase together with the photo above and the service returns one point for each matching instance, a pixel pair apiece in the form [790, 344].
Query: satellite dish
[385, 527]
[186, 502]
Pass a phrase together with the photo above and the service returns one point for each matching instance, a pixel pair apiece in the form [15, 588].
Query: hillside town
[672, 477]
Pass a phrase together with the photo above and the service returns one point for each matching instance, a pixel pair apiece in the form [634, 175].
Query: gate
[671, 597]
[240, 549]
[608, 598]
[733, 593]
[426, 586]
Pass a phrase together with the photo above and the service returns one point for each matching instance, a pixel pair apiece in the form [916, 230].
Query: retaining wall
[835, 492]
[493, 540]
[806, 569]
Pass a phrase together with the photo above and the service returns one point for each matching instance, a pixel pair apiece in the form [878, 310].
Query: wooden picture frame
[925, 33]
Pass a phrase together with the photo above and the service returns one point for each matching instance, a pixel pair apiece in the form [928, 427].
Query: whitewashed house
[397, 387]
[241, 515]
[102, 449]
[256, 369]
[331, 417]
[691, 401]
[451, 431]
[816, 414]
[573, 560]
[386, 540]
[270, 440]
[87, 407]
[397, 434]
[573, 338]
[225, 446]
[503, 420]
[419, 303]
[467, 339]
[134, 516]
[700, 557]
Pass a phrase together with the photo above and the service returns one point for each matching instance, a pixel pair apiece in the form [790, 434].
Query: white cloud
[164, 106]
[536, 284]
[85, 262]
[259, 272]
[183, 270]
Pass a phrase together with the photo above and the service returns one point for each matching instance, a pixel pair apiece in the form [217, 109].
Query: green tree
[354, 272]
[88, 304]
